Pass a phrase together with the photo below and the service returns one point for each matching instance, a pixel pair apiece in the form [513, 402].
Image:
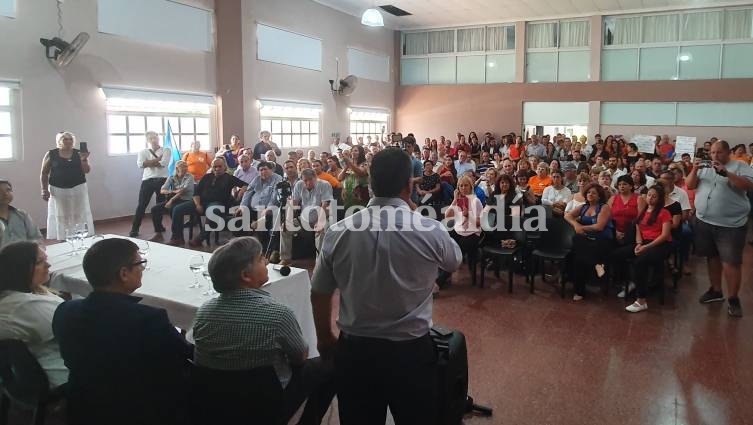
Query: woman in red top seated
[653, 237]
[625, 207]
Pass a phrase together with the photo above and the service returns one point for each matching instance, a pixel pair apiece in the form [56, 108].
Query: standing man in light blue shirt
[384, 356]
[722, 209]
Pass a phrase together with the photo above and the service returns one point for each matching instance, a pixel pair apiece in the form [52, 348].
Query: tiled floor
[539, 359]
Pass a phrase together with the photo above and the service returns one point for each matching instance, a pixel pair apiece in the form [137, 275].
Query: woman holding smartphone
[63, 180]
[466, 210]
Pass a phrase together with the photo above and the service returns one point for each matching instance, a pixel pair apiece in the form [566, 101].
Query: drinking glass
[210, 290]
[196, 265]
[82, 232]
[70, 237]
[144, 251]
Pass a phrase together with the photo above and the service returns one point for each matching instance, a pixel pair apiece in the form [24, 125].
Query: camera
[705, 164]
[397, 137]
[283, 191]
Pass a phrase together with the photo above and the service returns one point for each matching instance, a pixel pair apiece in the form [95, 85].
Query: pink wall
[431, 111]
[229, 19]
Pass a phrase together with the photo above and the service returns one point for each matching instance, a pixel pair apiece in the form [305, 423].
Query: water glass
[196, 265]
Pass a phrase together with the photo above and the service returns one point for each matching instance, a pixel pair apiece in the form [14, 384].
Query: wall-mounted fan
[346, 86]
[60, 52]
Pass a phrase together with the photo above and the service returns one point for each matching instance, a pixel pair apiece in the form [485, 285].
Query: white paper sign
[646, 144]
[683, 145]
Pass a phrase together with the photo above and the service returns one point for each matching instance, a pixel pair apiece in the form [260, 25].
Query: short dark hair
[603, 198]
[104, 260]
[230, 260]
[317, 160]
[390, 172]
[265, 164]
[21, 257]
[627, 179]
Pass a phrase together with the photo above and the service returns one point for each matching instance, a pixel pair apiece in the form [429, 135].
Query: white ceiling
[450, 13]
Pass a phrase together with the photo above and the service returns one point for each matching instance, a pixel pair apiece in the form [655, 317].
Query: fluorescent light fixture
[372, 18]
[685, 57]
[492, 64]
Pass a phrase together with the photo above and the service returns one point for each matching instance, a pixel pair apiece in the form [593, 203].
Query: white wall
[733, 135]
[53, 101]
[338, 31]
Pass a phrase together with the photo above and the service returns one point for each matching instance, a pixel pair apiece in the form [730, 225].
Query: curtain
[495, 38]
[442, 41]
[627, 30]
[471, 40]
[415, 43]
[510, 37]
[541, 36]
[660, 28]
[575, 33]
[702, 26]
[738, 24]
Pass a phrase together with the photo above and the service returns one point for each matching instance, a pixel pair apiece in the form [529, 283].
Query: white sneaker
[631, 288]
[637, 307]
[577, 298]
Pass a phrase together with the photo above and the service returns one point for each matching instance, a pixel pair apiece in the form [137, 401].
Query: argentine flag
[173, 148]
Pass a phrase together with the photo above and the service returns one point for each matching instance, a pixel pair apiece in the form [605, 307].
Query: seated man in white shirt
[463, 163]
[307, 210]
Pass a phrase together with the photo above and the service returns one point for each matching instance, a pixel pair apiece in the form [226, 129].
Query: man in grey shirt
[261, 199]
[384, 355]
[722, 209]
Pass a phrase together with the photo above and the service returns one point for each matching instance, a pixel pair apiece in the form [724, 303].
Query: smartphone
[705, 164]
[463, 202]
[84, 147]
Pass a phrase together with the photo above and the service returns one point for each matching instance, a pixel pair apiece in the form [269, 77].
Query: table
[165, 285]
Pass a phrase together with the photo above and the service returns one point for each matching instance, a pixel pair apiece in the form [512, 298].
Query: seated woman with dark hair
[429, 185]
[653, 242]
[27, 306]
[593, 237]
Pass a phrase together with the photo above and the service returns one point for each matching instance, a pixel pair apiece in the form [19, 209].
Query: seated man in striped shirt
[244, 328]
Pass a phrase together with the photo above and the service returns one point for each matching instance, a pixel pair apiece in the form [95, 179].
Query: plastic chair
[493, 251]
[252, 396]
[554, 245]
[24, 382]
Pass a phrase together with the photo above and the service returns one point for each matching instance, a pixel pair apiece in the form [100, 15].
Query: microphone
[284, 270]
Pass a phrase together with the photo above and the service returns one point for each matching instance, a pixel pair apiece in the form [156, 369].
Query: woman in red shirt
[625, 207]
[653, 237]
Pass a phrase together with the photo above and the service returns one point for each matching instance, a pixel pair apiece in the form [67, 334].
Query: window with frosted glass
[699, 62]
[500, 37]
[574, 34]
[500, 68]
[574, 66]
[442, 70]
[737, 60]
[738, 24]
[414, 71]
[471, 69]
[127, 130]
[622, 30]
[658, 63]
[541, 67]
[619, 65]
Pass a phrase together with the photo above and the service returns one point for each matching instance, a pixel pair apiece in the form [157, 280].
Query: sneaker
[637, 307]
[157, 237]
[133, 234]
[711, 296]
[734, 309]
[630, 288]
[161, 230]
[577, 298]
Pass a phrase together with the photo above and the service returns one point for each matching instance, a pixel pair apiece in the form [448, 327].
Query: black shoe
[133, 234]
[160, 230]
[734, 309]
[711, 296]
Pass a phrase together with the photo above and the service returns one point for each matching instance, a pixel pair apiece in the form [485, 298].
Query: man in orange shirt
[317, 166]
[197, 160]
[541, 180]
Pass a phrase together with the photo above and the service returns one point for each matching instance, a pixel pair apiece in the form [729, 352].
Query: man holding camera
[306, 211]
[722, 209]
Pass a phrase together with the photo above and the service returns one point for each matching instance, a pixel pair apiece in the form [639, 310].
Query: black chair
[553, 245]
[252, 396]
[24, 382]
[491, 250]
[655, 275]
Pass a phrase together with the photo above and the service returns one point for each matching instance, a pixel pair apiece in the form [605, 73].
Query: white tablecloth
[165, 285]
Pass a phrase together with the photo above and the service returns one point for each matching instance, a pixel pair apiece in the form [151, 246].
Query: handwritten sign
[646, 144]
[683, 145]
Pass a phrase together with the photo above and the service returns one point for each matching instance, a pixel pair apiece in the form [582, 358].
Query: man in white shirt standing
[153, 161]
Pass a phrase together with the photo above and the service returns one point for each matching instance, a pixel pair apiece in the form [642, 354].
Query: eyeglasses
[141, 263]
